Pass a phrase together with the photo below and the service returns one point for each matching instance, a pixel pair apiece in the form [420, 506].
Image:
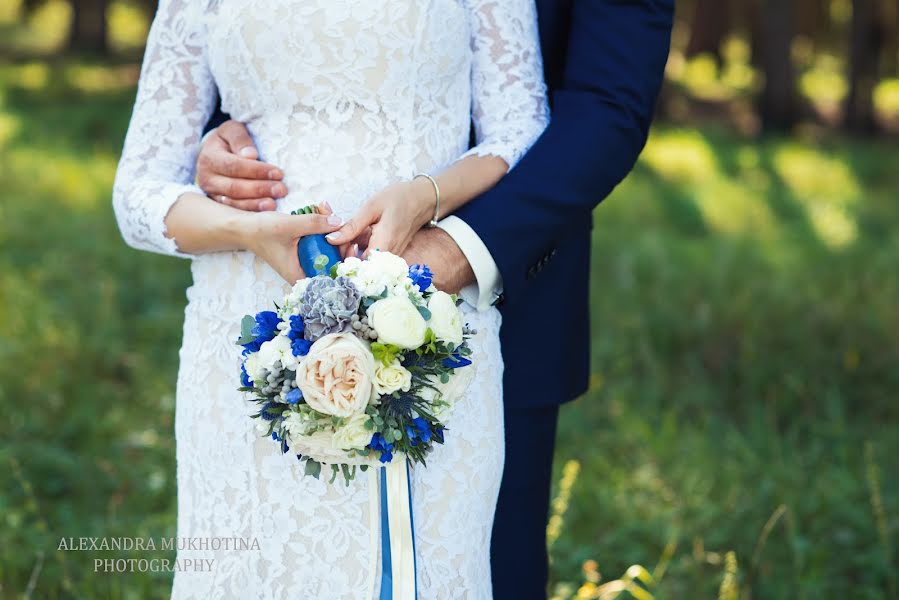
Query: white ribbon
[399, 525]
[399, 516]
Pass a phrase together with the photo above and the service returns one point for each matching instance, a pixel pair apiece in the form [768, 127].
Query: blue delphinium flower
[266, 326]
[294, 396]
[275, 436]
[245, 380]
[379, 444]
[421, 276]
[419, 430]
[455, 361]
[299, 345]
[296, 327]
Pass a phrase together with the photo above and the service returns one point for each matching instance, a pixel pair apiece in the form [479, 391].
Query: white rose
[392, 377]
[446, 320]
[353, 435]
[397, 322]
[336, 376]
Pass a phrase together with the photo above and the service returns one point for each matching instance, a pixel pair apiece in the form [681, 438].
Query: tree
[865, 42]
[708, 26]
[778, 103]
[89, 27]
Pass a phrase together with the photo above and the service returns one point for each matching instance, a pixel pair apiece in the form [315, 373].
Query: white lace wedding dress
[346, 96]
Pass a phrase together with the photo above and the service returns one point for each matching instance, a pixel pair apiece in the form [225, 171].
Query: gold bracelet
[432, 222]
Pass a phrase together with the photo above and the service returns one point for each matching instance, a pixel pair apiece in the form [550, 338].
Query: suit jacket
[603, 62]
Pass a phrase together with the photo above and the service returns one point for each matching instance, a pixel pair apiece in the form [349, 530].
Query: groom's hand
[435, 248]
[229, 171]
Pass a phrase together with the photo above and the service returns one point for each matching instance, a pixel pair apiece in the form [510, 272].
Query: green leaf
[313, 468]
[385, 353]
[246, 330]
[425, 313]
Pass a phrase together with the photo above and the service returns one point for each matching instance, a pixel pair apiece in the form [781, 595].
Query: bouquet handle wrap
[316, 255]
[393, 503]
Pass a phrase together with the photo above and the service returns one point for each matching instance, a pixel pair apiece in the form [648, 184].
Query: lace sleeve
[175, 97]
[509, 105]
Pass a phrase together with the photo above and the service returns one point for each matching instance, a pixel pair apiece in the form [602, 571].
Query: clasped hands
[229, 170]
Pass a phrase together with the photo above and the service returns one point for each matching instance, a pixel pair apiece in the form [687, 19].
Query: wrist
[454, 271]
[423, 200]
[243, 227]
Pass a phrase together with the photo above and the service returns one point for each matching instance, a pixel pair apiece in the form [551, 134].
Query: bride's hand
[390, 218]
[273, 237]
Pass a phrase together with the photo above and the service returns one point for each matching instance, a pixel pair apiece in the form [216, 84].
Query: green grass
[745, 362]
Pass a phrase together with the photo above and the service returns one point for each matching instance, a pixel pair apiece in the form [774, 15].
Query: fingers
[236, 135]
[242, 189]
[227, 164]
[359, 222]
[301, 225]
[362, 240]
[383, 241]
[253, 205]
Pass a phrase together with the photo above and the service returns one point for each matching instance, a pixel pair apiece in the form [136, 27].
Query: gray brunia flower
[328, 306]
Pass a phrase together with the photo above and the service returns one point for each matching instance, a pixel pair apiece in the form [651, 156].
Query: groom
[525, 244]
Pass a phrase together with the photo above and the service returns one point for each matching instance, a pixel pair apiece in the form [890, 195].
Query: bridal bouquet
[358, 366]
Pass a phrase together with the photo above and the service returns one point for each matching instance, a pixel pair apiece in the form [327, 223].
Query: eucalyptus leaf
[313, 468]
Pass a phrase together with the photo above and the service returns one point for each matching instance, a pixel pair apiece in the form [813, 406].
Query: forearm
[200, 225]
[459, 184]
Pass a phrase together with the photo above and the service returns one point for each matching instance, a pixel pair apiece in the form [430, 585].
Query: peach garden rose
[337, 376]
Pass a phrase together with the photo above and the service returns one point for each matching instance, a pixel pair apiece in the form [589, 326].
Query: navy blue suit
[604, 61]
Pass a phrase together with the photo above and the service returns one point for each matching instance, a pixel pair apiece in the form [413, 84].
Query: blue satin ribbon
[316, 255]
[388, 585]
[386, 566]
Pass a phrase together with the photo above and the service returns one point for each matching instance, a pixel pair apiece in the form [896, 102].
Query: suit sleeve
[601, 112]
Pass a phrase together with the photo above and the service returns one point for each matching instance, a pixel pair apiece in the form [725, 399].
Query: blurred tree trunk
[88, 32]
[708, 26]
[811, 18]
[777, 106]
[890, 11]
[865, 41]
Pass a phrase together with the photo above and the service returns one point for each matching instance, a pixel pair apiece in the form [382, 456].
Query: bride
[353, 98]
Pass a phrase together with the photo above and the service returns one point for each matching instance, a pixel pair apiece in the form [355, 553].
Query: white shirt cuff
[488, 286]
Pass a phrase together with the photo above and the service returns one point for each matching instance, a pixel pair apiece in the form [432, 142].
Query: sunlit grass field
[740, 438]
